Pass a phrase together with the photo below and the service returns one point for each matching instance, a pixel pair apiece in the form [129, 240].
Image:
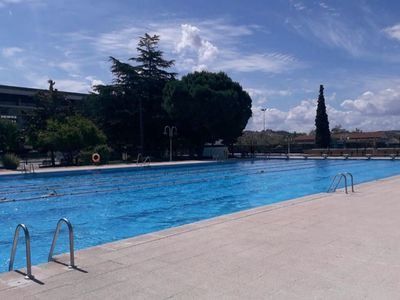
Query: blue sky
[280, 51]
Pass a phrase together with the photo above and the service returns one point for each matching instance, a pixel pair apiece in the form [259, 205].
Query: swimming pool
[105, 206]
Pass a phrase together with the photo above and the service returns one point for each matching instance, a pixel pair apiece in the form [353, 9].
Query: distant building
[17, 102]
[371, 139]
[304, 139]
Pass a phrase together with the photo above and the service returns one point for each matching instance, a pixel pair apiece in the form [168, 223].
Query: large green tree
[70, 136]
[207, 107]
[322, 132]
[130, 110]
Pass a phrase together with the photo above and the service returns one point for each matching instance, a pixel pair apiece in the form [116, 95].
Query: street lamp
[171, 131]
[263, 110]
[289, 140]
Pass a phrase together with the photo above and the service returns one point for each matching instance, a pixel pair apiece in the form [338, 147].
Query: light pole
[289, 139]
[263, 110]
[170, 131]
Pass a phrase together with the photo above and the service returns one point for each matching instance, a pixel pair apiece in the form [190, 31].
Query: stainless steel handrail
[139, 156]
[352, 179]
[71, 241]
[147, 160]
[28, 250]
[332, 188]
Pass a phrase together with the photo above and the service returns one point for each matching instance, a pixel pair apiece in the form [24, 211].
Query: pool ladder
[29, 274]
[338, 178]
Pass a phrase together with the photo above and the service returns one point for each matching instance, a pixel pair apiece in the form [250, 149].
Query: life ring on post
[96, 158]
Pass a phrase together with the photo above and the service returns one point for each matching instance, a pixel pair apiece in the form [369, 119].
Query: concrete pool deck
[324, 246]
[106, 167]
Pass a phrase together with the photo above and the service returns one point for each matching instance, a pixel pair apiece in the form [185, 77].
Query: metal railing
[28, 250]
[147, 161]
[28, 168]
[338, 178]
[139, 157]
[71, 241]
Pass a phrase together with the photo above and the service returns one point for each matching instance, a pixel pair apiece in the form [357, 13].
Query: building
[350, 139]
[17, 102]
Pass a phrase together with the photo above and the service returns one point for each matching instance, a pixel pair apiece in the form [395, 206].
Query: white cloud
[298, 5]
[269, 62]
[11, 51]
[192, 40]
[206, 45]
[370, 111]
[393, 31]
[4, 3]
[383, 103]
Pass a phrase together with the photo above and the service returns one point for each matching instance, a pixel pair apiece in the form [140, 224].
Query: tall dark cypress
[322, 132]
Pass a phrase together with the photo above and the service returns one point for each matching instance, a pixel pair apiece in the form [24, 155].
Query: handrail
[335, 183]
[28, 168]
[28, 250]
[139, 156]
[352, 180]
[71, 241]
[147, 160]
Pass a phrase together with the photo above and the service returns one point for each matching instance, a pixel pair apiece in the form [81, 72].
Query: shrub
[10, 161]
[104, 151]
[85, 156]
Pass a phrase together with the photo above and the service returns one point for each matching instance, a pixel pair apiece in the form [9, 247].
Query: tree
[322, 133]
[8, 136]
[50, 104]
[70, 136]
[207, 107]
[138, 91]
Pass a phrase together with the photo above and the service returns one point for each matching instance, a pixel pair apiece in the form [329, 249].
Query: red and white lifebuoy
[96, 158]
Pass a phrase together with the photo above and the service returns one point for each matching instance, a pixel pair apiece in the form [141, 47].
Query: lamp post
[289, 139]
[263, 110]
[171, 131]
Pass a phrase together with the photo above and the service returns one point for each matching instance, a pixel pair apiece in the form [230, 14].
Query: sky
[279, 51]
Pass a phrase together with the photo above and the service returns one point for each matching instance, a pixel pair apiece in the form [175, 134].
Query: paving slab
[324, 246]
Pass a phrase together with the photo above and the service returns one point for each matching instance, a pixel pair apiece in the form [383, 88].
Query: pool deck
[325, 246]
[107, 167]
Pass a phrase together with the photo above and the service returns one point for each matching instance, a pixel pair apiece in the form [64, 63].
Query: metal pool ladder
[28, 250]
[338, 178]
[71, 242]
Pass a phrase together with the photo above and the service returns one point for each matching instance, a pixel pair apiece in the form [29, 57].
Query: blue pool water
[111, 205]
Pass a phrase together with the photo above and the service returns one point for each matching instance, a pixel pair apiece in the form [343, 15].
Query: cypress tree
[322, 132]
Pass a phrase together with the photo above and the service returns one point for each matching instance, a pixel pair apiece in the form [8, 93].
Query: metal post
[170, 148]
[263, 110]
[170, 131]
[28, 250]
[71, 241]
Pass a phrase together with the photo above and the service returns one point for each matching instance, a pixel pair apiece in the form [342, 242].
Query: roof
[361, 135]
[305, 138]
[17, 90]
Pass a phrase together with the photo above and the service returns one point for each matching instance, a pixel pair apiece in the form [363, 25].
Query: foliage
[266, 138]
[10, 161]
[132, 106]
[9, 136]
[50, 104]
[338, 129]
[85, 156]
[207, 107]
[322, 133]
[115, 110]
[70, 136]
